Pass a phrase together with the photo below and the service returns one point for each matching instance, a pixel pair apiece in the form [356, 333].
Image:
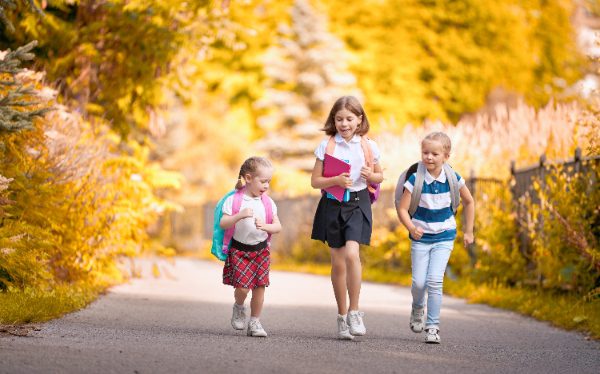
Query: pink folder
[332, 167]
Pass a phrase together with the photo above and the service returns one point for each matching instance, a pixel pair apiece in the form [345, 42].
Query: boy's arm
[402, 210]
[469, 208]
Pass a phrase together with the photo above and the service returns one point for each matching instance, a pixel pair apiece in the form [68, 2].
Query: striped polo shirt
[434, 213]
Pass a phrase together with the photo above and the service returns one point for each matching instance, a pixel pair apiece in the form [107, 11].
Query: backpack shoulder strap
[268, 212]
[415, 197]
[235, 209]
[238, 197]
[367, 151]
[330, 146]
[454, 190]
[268, 208]
[400, 184]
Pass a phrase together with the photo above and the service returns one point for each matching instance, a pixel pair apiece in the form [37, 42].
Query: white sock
[343, 315]
[239, 306]
[253, 318]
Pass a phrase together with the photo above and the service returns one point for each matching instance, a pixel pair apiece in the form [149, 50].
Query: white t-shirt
[245, 229]
[350, 151]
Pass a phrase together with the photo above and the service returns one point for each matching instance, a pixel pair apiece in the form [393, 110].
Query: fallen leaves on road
[18, 330]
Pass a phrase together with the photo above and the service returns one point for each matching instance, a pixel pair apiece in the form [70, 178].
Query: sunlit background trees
[126, 116]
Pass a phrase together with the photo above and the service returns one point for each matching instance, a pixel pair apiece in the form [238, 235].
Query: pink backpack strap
[235, 209]
[367, 151]
[268, 212]
[369, 160]
[330, 146]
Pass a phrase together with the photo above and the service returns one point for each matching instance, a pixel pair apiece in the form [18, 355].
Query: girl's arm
[228, 221]
[272, 228]
[318, 181]
[372, 176]
[469, 207]
[402, 210]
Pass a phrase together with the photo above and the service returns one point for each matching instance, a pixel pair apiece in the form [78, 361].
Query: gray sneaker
[238, 318]
[416, 319]
[255, 329]
[343, 331]
[355, 321]
[432, 335]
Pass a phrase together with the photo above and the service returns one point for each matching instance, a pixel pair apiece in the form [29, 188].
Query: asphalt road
[180, 324]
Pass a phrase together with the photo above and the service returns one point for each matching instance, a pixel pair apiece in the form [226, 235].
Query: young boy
[432, 229]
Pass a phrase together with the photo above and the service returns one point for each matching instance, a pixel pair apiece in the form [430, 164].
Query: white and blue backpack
[419, 169]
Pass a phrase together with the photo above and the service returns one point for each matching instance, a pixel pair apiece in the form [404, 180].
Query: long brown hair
[352, 104]
[250, 166]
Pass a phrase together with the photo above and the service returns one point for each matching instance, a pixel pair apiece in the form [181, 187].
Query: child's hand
[343, 180]
[245, 213]
[416, 233]
[469, 238]
[365, 172]
[260, 224]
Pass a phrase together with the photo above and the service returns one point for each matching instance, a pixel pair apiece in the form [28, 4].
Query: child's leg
[419, 255]
[338, 278]
[353, 273]
[440, 253]
[256, 303]
[240, 295]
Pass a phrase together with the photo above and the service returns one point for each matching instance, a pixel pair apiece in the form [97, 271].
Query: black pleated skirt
[337, 222]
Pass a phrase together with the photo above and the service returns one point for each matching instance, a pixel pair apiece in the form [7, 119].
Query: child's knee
[435, 285]
[418, 283]
[243, 291]
[353, 258]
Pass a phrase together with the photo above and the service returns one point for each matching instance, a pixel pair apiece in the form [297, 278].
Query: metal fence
[193, 227]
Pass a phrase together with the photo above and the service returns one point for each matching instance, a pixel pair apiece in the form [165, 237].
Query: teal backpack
[221, 239]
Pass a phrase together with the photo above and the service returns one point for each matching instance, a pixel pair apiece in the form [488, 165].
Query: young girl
[247, 265]
[432, 231]
[344, 225]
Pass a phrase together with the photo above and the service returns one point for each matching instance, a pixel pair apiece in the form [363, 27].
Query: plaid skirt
[247, 269]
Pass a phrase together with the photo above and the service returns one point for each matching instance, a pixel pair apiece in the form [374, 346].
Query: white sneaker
[238, 318]
[343, 331]
[432, 335]
[255, 329]
[416, 319]
[357, 327]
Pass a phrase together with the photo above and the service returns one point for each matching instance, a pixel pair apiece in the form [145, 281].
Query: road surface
[180, 324]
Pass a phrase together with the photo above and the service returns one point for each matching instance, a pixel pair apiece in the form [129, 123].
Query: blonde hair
[250, 166]
[440, 137]
[352, 104]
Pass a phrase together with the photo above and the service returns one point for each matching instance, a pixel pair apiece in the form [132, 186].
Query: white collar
[429, 178]
[248, 198]
[355, 139]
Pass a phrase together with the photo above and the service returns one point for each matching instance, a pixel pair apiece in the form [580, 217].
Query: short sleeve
[228, 206]
[461, 181]
[410, 182]
[320, 151]
[375, 150]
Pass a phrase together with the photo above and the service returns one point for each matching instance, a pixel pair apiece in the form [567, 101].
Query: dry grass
[487, 142]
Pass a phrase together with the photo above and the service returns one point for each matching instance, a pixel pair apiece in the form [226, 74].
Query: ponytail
[239, 184]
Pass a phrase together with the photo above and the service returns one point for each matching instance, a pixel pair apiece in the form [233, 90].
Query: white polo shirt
[245, 229]
[434, 212]
[350, 152]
